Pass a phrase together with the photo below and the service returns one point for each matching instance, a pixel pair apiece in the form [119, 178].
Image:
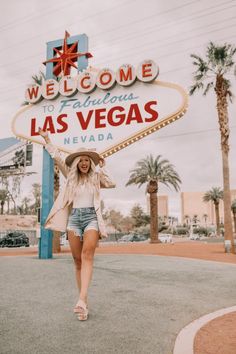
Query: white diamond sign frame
[103, 110]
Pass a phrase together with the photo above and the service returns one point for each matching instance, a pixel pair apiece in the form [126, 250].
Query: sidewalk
[222, 292]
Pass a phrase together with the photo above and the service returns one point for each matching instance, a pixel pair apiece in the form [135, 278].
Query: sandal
[82, 310]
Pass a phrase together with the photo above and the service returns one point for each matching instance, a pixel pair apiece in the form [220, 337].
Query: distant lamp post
[205, 216]
[191, 230]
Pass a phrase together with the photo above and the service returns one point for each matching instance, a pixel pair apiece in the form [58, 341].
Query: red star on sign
[66, 58]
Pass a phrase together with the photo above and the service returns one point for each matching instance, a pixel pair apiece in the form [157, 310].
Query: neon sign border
[172, 117]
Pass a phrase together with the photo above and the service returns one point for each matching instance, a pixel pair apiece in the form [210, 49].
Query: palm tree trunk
[227, 202]
[222, 109]
[154, 218]
[8, 205]
[217, 212]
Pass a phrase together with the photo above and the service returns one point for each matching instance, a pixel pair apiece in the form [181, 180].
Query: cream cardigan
[58, 216]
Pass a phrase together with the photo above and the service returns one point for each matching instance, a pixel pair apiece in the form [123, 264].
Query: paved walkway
[138, 303]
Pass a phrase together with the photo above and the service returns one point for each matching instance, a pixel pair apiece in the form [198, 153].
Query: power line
[166, 25]
[149, 17]
[128, 38]
[193, 133]
[59, 27]
[140, 35]
[170, 43]
[163, 56]
[162, 45]
[32, 16]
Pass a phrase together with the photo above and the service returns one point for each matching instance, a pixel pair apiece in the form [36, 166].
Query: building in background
[15, 156]
[193, 207]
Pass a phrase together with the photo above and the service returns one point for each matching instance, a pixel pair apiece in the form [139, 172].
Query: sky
[129, 31]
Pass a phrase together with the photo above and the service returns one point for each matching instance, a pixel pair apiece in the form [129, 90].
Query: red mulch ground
[217, 336]
[194, 249]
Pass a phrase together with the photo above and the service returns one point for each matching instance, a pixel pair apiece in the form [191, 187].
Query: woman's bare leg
[76, 250]
[89, 245]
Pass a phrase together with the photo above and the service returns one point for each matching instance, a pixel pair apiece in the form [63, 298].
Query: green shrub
[142, 230]
[180, 231]
[201, 230]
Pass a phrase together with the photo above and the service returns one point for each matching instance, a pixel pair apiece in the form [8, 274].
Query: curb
[185, 339]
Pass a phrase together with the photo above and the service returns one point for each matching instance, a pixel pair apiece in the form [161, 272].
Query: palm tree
[36, 191]
[215, 195]
[25, 205]
[19, 158]
[195, 219]
[233, 208]
[186, 218]
[3, 198]
[205, 216]
[212, 72]
[152, 171]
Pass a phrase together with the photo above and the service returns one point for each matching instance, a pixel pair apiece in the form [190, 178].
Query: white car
[166, 238]
[194, 237]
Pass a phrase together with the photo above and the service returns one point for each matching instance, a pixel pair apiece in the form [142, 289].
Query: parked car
[14, 239]
[137, 238]
[165, 238]
[132, 238]
[194, 237]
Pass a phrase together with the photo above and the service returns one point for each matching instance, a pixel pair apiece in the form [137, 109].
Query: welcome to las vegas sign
[101, 109]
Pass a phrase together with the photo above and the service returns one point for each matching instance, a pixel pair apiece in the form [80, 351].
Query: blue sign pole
[45, 242]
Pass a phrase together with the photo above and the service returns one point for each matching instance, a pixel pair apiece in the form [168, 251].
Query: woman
[77, 211]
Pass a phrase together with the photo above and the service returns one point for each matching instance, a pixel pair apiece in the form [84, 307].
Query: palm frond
[25, 103]
[154, 169]
[234, 70]
[221, 57]
[215, 195]
[219, 60]
[208, 87]
[230, 96]
[195, 87]
[202, 65]
[38, 79]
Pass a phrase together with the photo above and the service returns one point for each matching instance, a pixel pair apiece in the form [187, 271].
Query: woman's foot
[81, 309]
[77, 306]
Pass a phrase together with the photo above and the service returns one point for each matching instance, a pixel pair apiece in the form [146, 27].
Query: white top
[84, 196]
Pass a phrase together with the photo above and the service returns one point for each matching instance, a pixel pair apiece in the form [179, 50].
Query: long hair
[74, 178]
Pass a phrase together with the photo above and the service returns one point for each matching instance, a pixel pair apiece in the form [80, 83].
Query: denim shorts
[81, 220]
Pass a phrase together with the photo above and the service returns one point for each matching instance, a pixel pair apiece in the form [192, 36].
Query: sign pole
[45, 242]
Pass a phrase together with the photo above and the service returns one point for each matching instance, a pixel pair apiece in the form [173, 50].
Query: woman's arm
[105, 180]
[54, 152]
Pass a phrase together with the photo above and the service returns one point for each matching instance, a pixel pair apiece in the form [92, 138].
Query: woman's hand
[102, 162]
[44, 135]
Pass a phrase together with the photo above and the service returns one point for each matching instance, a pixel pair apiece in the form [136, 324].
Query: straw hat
[82, 151]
